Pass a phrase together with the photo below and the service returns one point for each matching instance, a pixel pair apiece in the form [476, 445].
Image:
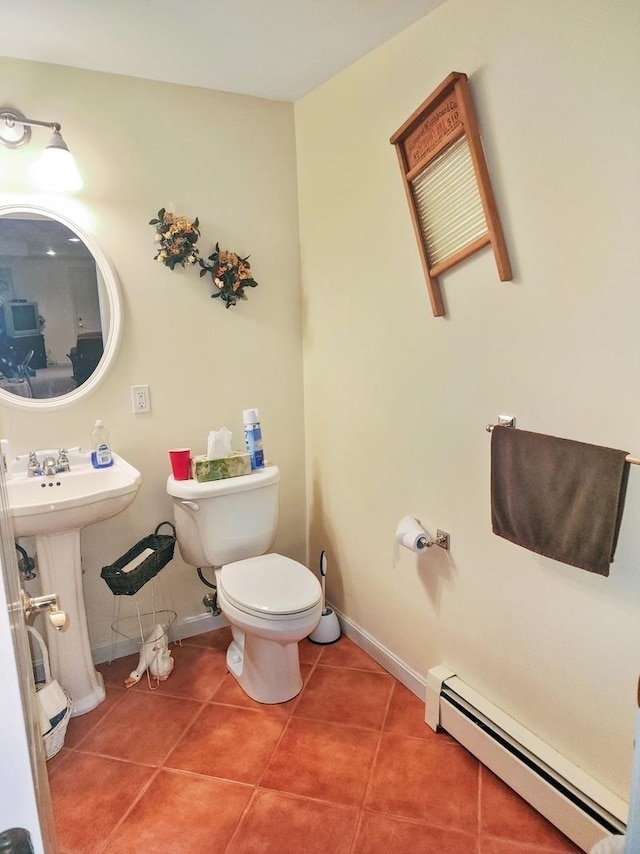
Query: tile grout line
[286, 725]
[98, 722]
[184, 732]
[256, 785]
[371, 770]
[236, 829]
[101, 847]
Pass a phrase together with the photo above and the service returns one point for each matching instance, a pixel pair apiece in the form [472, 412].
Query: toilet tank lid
[270, 584]
[191, 489]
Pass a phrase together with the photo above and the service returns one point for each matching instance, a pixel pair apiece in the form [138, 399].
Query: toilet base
[267, 671]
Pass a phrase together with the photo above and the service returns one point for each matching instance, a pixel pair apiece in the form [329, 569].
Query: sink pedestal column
[69, 649]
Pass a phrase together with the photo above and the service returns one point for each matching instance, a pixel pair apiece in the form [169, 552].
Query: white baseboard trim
[190, 626]
[387, 659]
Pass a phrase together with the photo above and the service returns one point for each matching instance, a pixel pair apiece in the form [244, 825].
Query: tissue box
[204, 469]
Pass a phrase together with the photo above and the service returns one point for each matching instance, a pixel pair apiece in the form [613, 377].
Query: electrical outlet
[140, 398]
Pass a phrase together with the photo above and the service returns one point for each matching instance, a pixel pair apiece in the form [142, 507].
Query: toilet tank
[225, 520]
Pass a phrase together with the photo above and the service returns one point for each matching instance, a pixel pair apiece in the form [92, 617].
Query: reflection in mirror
[56, 307]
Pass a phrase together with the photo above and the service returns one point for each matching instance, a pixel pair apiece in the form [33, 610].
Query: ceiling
[33, 236]
[280, 49]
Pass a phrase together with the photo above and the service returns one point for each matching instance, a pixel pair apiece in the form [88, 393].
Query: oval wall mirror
[60, 310]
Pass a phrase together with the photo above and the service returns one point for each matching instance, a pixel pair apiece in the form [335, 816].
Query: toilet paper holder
[442, 540]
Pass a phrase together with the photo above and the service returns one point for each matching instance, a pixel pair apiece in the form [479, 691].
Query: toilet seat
[270, 585]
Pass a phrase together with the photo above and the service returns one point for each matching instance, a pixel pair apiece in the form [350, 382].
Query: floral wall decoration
[177, 238]
[231, 275]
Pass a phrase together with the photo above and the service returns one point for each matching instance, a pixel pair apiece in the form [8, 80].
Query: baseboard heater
[570, 799]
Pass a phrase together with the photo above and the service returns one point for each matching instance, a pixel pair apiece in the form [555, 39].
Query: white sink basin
[70, 500]
[54, 508]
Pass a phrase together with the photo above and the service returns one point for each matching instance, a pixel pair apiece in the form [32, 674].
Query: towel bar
[635, 461]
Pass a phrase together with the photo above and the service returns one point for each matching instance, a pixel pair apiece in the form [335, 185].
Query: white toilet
[270, 601]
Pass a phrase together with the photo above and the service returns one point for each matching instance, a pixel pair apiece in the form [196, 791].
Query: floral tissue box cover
[204, 469]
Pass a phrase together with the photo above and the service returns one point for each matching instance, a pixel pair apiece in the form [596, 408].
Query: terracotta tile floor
[346, 767]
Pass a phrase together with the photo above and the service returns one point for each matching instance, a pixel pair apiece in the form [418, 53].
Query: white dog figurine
[153, 655]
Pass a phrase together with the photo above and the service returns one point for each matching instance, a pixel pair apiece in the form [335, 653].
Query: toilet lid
[270, 584]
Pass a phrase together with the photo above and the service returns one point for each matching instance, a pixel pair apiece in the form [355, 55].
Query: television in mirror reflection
[53, 309]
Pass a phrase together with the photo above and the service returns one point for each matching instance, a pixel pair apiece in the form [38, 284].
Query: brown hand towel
[559, 498]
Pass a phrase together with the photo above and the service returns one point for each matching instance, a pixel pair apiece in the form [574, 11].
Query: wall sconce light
[55, 170]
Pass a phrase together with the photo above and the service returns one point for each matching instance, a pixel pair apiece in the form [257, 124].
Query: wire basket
[127, 583]
[136, 627]
[54, 738]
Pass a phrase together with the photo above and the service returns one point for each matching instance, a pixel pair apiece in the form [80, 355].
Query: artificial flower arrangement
[178, 236]
[231, 275]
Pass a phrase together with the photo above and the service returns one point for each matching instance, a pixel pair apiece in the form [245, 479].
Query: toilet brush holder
[328, 629]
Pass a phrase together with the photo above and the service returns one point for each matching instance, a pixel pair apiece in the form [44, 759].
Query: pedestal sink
[54, 508]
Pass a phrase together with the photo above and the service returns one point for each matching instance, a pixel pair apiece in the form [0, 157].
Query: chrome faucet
[33, 466]
[49, 466]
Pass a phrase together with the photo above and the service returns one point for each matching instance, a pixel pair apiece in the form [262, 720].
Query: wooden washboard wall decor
[447, 184]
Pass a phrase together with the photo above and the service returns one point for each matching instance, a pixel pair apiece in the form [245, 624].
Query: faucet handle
[63, 460]
[33, 466]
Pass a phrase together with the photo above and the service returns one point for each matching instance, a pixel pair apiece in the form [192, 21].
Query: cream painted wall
[229, 160]
[396, 401]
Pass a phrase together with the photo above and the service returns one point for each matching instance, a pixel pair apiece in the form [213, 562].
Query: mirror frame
[112, 340]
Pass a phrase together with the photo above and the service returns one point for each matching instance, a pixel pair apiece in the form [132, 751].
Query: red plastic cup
[180, 463]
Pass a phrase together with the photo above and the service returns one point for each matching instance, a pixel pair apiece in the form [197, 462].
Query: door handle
[34, 604]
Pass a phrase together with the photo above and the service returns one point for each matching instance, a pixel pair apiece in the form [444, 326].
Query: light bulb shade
[56, 140]
[55, 170]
